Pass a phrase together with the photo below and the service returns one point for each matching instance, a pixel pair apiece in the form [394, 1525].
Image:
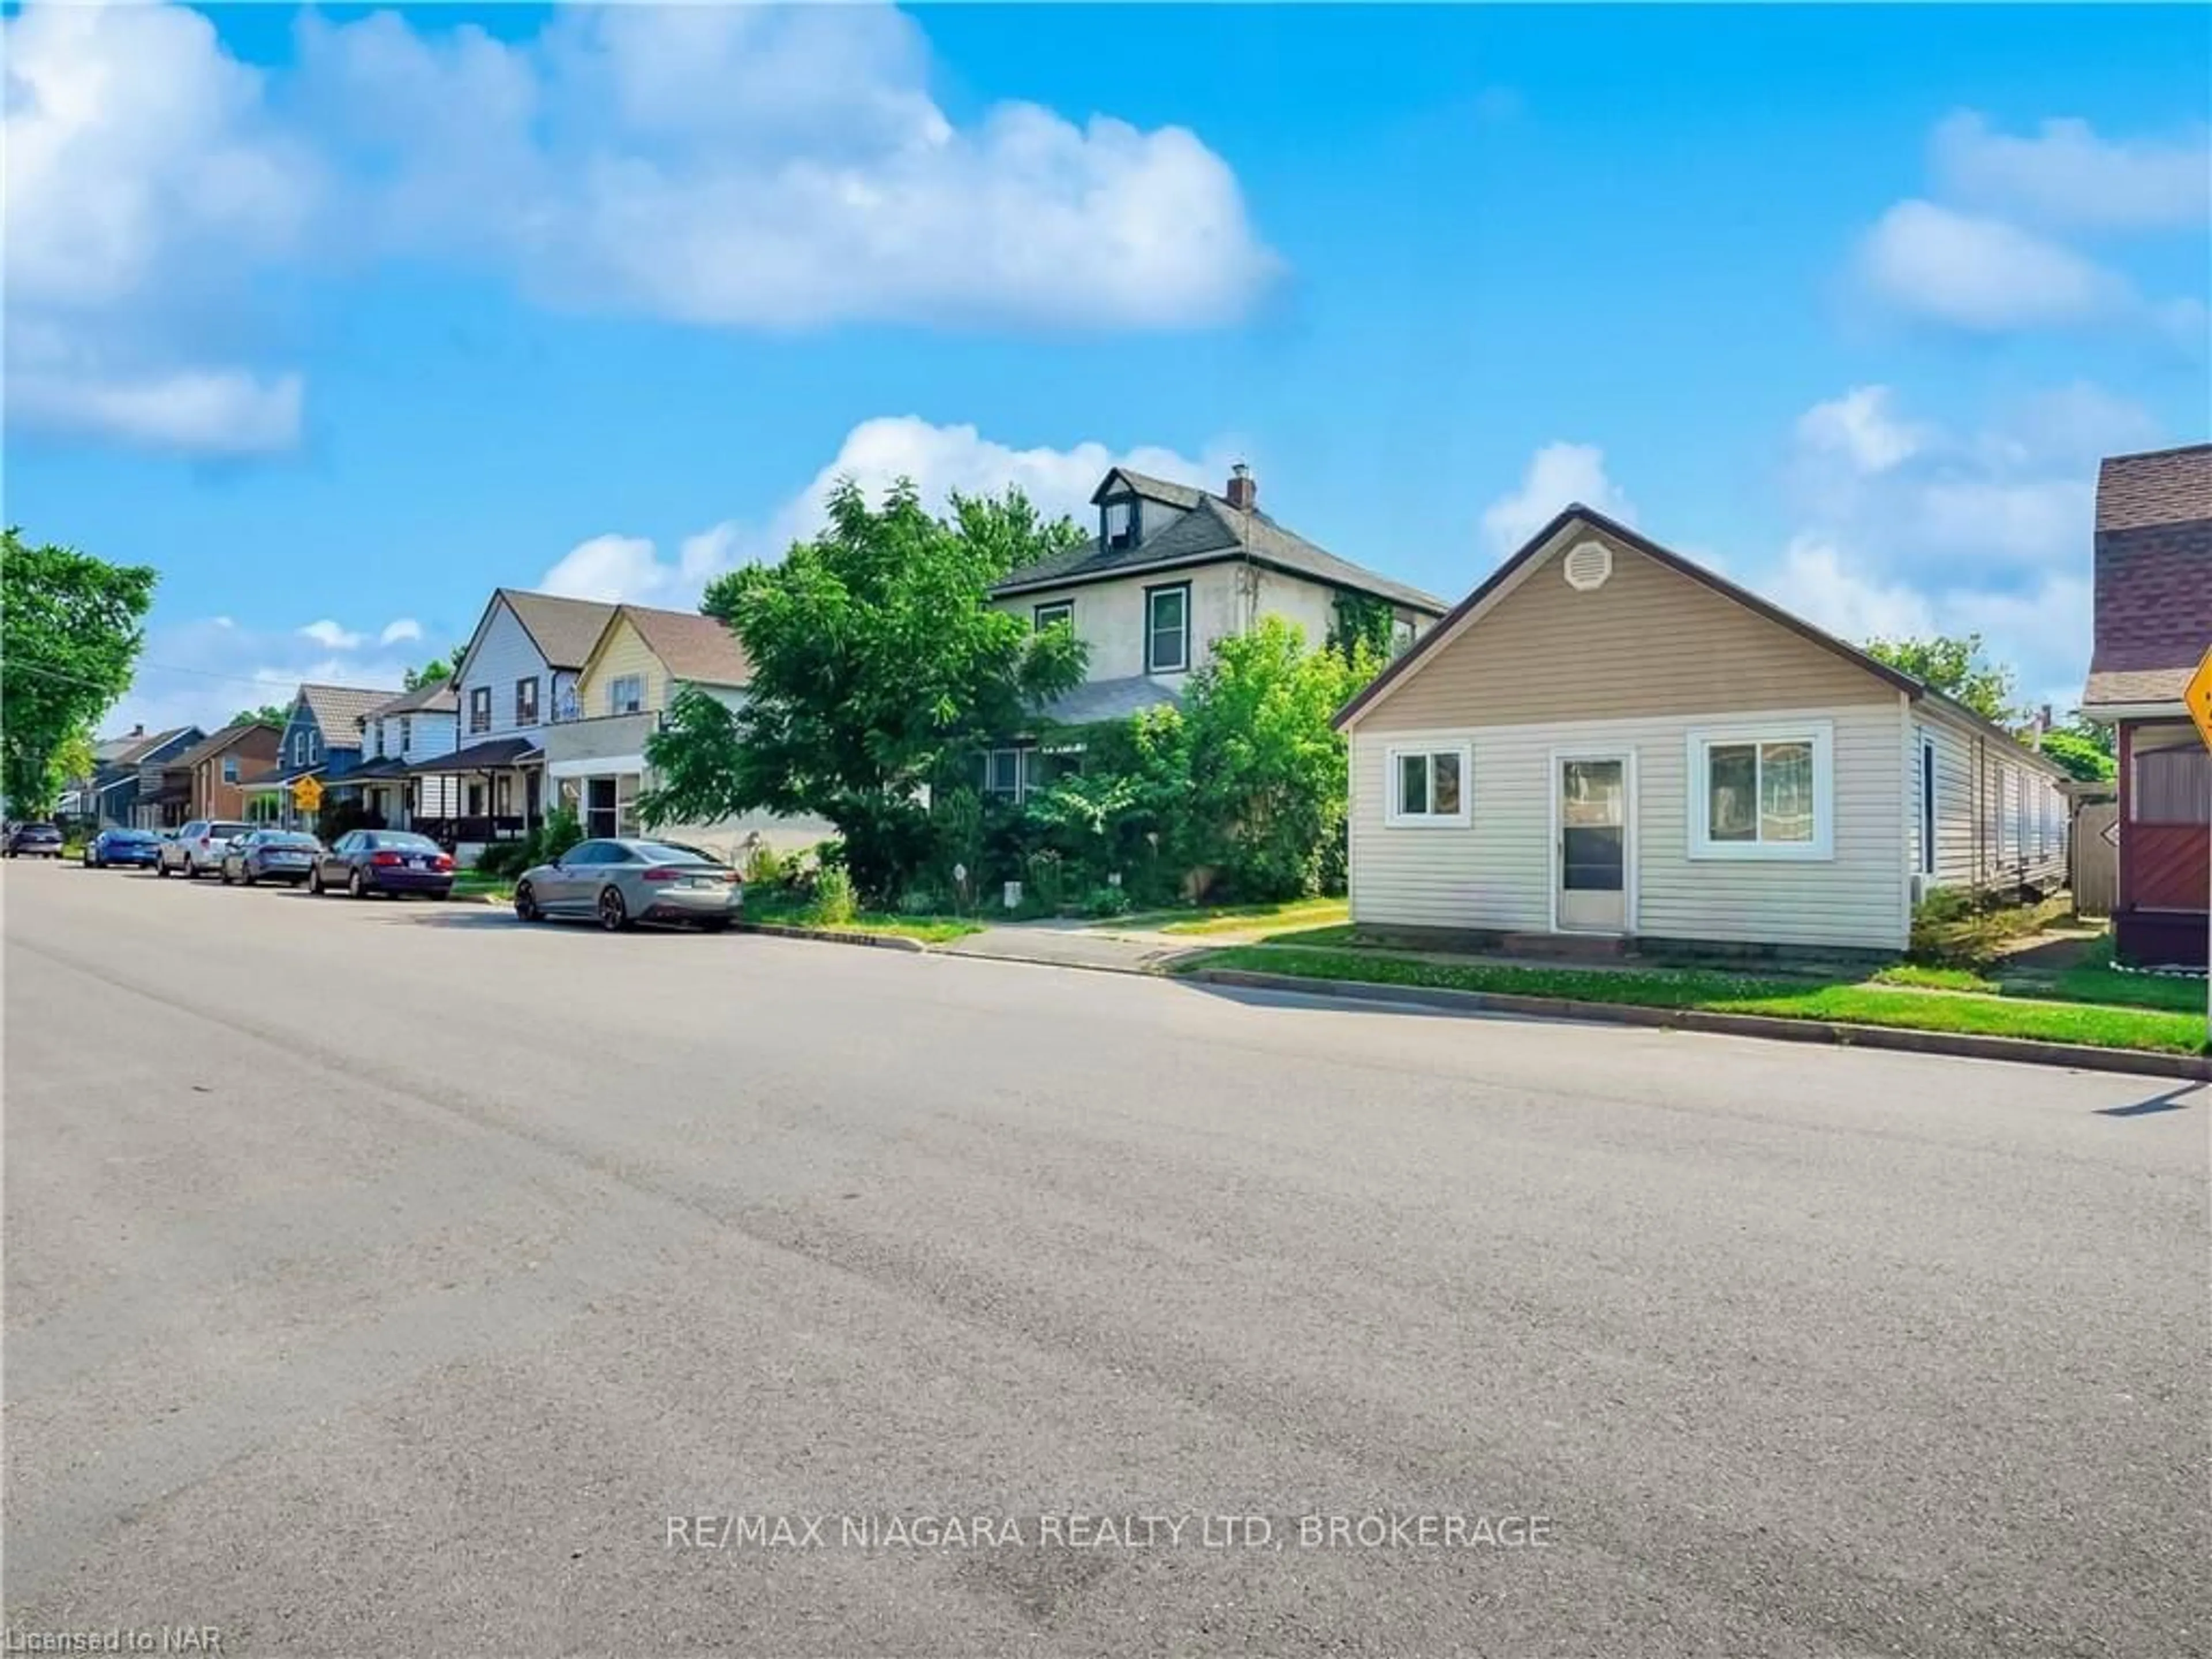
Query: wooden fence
[2096, 856]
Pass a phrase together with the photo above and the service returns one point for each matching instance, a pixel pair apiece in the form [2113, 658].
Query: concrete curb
[2079, 1056]
[831, 936]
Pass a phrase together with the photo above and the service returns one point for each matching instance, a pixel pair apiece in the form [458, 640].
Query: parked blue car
[140, 848]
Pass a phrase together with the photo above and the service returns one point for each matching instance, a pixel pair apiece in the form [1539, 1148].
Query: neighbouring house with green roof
[1173, 569]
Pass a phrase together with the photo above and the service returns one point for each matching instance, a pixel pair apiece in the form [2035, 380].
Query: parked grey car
[198, 847]
[286, 856]
[618, 882]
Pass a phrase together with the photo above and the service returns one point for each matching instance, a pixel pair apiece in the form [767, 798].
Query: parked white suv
[198, 847]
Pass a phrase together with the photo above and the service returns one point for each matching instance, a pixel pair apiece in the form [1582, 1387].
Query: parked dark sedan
[394, 861]
[284, 855]
[34, 841]
[140, 848]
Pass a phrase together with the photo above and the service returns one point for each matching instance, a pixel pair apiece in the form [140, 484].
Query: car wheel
[315, 881]
[614, 915]
[162, 868]
[526, 904]
[357, 885]
[226, 875]
[247, 877]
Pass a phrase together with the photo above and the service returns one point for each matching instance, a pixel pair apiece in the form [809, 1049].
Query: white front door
[1592, 862]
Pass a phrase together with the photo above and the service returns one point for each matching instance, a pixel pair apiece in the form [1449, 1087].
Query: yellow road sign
[2198, 697]
[306, 794]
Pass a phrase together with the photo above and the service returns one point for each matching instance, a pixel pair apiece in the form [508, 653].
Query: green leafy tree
[879, 668]
[70, 629]
[1955, 667]
[1267, 770]
[269, 714]
[2083, 748]
[438, 668]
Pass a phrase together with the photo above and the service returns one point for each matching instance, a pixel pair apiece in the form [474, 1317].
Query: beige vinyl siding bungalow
[1607, 740]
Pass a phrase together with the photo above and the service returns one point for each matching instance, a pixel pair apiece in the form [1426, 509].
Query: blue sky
[340, 320]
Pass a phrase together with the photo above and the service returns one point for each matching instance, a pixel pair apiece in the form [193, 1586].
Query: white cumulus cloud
[144, 175]
[330, 635]
[779, 168]
[1984, 273]
[399, 629]
[1558, 474]
[2066, 174]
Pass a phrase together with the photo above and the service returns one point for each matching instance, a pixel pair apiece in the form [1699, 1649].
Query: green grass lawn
[467, 883]
[2094, 980]
[780, 911]
[1244, 918]
[1856, 1003]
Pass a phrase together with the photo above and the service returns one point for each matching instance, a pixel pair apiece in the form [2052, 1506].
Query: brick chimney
[139, 730]
[1243, 491]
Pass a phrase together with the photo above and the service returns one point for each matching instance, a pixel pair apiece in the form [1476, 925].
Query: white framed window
[1428, 786]
[1002, 772]
[1167, 628]
[625, 694]
[1048, 616]
[230, 768]
[1762, 791]
[1928, 818]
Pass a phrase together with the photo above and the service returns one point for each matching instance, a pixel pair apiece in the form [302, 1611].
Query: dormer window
[1119, 525]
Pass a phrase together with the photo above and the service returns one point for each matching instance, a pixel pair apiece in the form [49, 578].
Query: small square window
[1049, 616]
[1428, 787]
[1760, 795]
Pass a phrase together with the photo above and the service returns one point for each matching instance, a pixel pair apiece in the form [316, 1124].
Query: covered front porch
[488, 792]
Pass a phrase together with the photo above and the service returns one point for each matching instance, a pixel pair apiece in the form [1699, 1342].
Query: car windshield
[405, 843]
[662, 852]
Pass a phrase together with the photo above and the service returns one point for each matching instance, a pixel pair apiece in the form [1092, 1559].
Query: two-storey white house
[413, 727]
[1172, 570]
[517, 676]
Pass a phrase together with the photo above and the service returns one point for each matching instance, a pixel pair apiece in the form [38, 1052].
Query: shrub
[506, 859]
[560, 831]
[834, 904]
[1106, 901]
[765, 867]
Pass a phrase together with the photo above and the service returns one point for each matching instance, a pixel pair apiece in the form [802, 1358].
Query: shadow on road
[2174, 1100]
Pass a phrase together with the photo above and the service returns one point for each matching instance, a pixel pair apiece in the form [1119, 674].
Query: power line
[41, 671]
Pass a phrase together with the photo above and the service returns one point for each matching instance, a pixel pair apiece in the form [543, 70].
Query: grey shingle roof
[436, 695]
[136, 750]
[1209, 529]
[692, 647]
[220, 741]
[1156, 490]
[1110, 699]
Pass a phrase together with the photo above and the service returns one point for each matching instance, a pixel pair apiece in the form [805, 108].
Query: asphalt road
[381, 1279]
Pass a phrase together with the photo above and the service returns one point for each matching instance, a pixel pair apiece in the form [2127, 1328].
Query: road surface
[393, 1278]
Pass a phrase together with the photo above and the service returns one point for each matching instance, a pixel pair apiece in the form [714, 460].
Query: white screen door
[1592, 854]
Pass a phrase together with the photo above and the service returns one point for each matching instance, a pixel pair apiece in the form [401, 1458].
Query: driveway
[395, 1278]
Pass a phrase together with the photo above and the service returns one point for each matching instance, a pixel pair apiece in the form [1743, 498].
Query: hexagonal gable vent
[1587, 565]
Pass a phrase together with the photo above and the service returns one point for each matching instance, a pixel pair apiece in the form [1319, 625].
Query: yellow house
[595, 749]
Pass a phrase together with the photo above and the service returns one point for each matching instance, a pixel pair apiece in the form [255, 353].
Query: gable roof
[437, 696]
[690, 646]
[337, 710]
[133, 751]
[2154, 576]
[1470, 609]
[564, 630]
[1207, 530]
[222, 740]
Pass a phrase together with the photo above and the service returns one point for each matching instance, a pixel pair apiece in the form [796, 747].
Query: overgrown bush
[559, 832]
[504, 861]
[764, 866]
[834, 904]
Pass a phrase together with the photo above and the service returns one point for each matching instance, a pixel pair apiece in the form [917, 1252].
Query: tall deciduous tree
[70, 627]
[1268, 770]
[878, 663]
[269, 714]
[1956, 667]
[2083, 748]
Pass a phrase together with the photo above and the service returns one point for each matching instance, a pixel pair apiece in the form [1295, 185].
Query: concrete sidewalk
[1067, 944]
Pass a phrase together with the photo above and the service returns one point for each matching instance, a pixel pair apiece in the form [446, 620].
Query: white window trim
[1821, 849]
[1395, 819]
[1152, 596]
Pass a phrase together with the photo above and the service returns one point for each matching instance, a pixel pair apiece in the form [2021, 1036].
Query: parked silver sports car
[618, 882]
